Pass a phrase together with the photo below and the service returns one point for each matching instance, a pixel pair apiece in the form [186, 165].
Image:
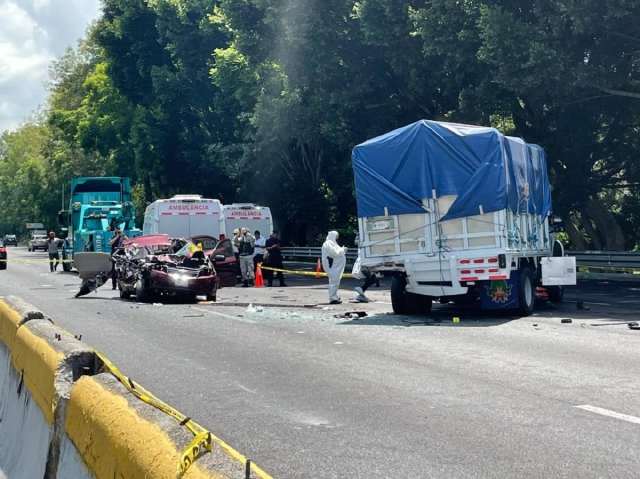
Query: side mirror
[219, 257]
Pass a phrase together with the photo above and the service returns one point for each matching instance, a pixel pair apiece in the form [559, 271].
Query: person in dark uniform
[272, 250]
[116, 242]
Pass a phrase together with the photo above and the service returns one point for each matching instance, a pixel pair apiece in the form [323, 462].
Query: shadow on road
[440, 316]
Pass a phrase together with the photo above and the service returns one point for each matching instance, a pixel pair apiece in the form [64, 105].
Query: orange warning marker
[318, 269]
[259, 283]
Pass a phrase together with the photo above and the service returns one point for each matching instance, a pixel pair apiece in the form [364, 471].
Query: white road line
[610, 413]
[223, 315]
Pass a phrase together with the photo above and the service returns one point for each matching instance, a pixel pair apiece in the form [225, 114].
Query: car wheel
[3, 264]
[211, 297]
[141, 293]
[125, 294]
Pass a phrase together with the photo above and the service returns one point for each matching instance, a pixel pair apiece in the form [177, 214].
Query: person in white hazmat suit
[335, 267]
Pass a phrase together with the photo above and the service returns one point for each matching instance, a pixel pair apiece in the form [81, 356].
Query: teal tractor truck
[96, 207]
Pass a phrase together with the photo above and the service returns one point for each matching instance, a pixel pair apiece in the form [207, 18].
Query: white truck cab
[185, 216]
[252, 216]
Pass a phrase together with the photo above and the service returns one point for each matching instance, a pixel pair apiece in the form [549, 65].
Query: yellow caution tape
[201, 443]
[303, 273]
[35, 260]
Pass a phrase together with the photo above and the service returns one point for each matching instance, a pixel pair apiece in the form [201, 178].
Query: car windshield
[185, 249]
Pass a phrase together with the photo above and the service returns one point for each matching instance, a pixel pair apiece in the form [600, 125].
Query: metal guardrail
[607, 260]
[314, 253]
[598, 260]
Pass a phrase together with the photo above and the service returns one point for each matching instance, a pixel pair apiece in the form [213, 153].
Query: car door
[226, 269]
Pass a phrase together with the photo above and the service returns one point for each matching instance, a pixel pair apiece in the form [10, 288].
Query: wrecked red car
[156, 267]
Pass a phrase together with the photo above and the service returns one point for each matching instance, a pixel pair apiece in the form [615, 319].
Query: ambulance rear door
[250, 215]
[184, 216]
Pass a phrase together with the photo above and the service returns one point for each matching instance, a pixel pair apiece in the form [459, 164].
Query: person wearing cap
[52, 249]
[258, 253]
[245, 243]
[272, 248]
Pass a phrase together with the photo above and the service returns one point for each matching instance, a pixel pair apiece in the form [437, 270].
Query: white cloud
[32, 34]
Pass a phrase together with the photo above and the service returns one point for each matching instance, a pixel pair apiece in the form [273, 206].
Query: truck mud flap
[499, 294]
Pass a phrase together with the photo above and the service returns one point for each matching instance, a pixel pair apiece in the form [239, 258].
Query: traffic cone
[318, 269]
[259, 283]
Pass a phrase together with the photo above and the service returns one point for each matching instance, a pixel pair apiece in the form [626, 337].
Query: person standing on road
[333, 261]
[236, 235]
[116, 242]
[272, 251]
[52, 248]
[259, 251]
[245, 243]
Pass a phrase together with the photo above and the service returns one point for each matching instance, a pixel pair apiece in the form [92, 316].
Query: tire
[29, 249]
[211, 297]
[125, 294]
[141, 293]
[526, 292]
[3, 265]
[555, 293]
[403, 302]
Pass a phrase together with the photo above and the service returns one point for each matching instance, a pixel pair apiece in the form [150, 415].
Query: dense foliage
[263, 100]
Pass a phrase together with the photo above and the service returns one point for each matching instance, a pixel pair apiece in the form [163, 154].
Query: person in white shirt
[52, 248]
[258, 252]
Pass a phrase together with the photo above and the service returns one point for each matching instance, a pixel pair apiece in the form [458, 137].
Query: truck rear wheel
[403, 302]
[526, 291]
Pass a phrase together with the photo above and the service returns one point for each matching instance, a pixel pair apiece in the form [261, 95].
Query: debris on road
[351, 315]
[566, 321]
[254, 309]
[193, 315]
[581, 306]
[634, 325]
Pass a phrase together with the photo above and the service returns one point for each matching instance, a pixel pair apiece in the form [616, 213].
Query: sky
[32, 34]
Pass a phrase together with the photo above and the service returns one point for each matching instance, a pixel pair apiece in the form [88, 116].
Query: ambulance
[252, 216]
[184, 216]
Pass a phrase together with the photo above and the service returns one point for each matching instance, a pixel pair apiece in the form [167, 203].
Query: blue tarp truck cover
[484, 169]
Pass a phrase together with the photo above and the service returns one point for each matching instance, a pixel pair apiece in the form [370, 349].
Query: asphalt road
[307, 395]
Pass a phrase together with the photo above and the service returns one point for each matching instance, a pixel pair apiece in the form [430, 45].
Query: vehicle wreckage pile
[153, 267]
